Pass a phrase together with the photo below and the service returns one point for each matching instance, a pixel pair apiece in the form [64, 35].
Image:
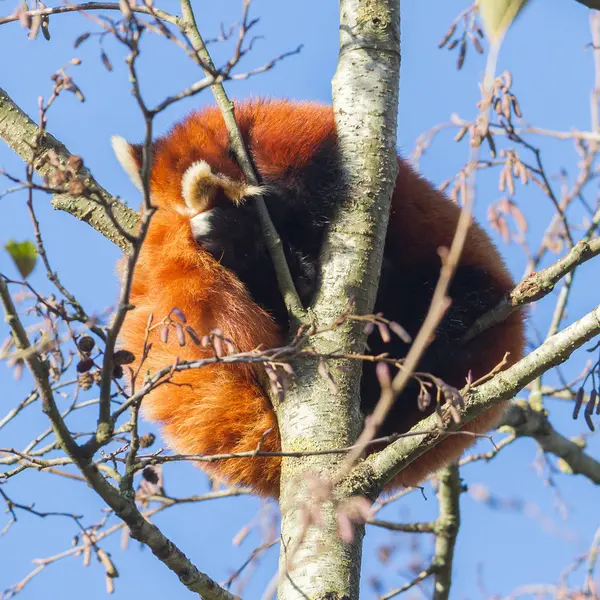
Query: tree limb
[365, 96]
[536, 285]
[378, 469]
[125, 508]
[529, 422]
[188, 26]
[446, 527]
[20, 132]
[87, 6]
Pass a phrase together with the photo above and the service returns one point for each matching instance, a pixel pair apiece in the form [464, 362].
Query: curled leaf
[497, 15]
[24, 255]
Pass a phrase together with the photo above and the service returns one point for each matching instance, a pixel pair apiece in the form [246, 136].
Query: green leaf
[497, 15]
[24, 255]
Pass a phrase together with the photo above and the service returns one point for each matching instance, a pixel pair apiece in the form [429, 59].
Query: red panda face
[203, 192]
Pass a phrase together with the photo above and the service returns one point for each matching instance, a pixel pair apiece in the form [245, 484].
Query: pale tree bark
[21, 134]
[315, 563]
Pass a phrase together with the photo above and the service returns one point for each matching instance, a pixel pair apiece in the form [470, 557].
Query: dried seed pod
[491, 143]
[447, 35]
[369, 328]
[506, 107]
[86, 344]
[150, 475]
[106, 61]
[179, 314]
[74, 163]
[462, 53]
[451, 394]
[589, 408]
[477, 45]
[180, 334]
[164, 334]
[24, 17]
[498, 106]
[84, 365]
[423, 399]
[510, 182]
[578, 402]
[589, 422]
[147, 440]
[515, 106]
[502, 181]
[123, 357]
[217, 343]
[384, 332]
[400, 332]
[383, 375]
[193, 335]
[34, 29]
[85, 381]
[80, 39]
[288, 369]
[461, 133]
[117, 372]
[45, 26]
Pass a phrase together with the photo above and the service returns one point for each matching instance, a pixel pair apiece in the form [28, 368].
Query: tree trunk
[315, 563]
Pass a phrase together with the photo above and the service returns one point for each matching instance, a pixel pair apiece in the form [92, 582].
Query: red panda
[205, 255]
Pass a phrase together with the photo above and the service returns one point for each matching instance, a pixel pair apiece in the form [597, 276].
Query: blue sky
[553, 76]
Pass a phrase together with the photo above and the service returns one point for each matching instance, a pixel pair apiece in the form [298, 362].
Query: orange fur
[222, 409]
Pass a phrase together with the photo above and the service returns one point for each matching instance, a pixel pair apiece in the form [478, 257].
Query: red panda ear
[202, 189]
[130, 158]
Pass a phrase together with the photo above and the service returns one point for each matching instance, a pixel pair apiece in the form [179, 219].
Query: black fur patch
[301, 205]
[405, 296]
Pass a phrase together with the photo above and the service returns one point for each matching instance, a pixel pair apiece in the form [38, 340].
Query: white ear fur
[124, 153]
[198, 175]
[199, 186]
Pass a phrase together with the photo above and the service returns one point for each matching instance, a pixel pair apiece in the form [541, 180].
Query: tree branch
[365, 96]
[87, 6]
[125, 508]
[370, 476]
[526, 421]
[446, 528]
[536, 285]
[187, 24]
[20, 133]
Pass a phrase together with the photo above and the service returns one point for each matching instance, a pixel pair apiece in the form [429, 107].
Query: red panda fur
[223, 409]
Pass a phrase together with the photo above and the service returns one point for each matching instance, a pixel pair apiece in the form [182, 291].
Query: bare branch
[447, 525]
[20, 133]
[141, 529]
[379, 468]
[188, 26]
[88, 6]
[537, 285]
[529, 422]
